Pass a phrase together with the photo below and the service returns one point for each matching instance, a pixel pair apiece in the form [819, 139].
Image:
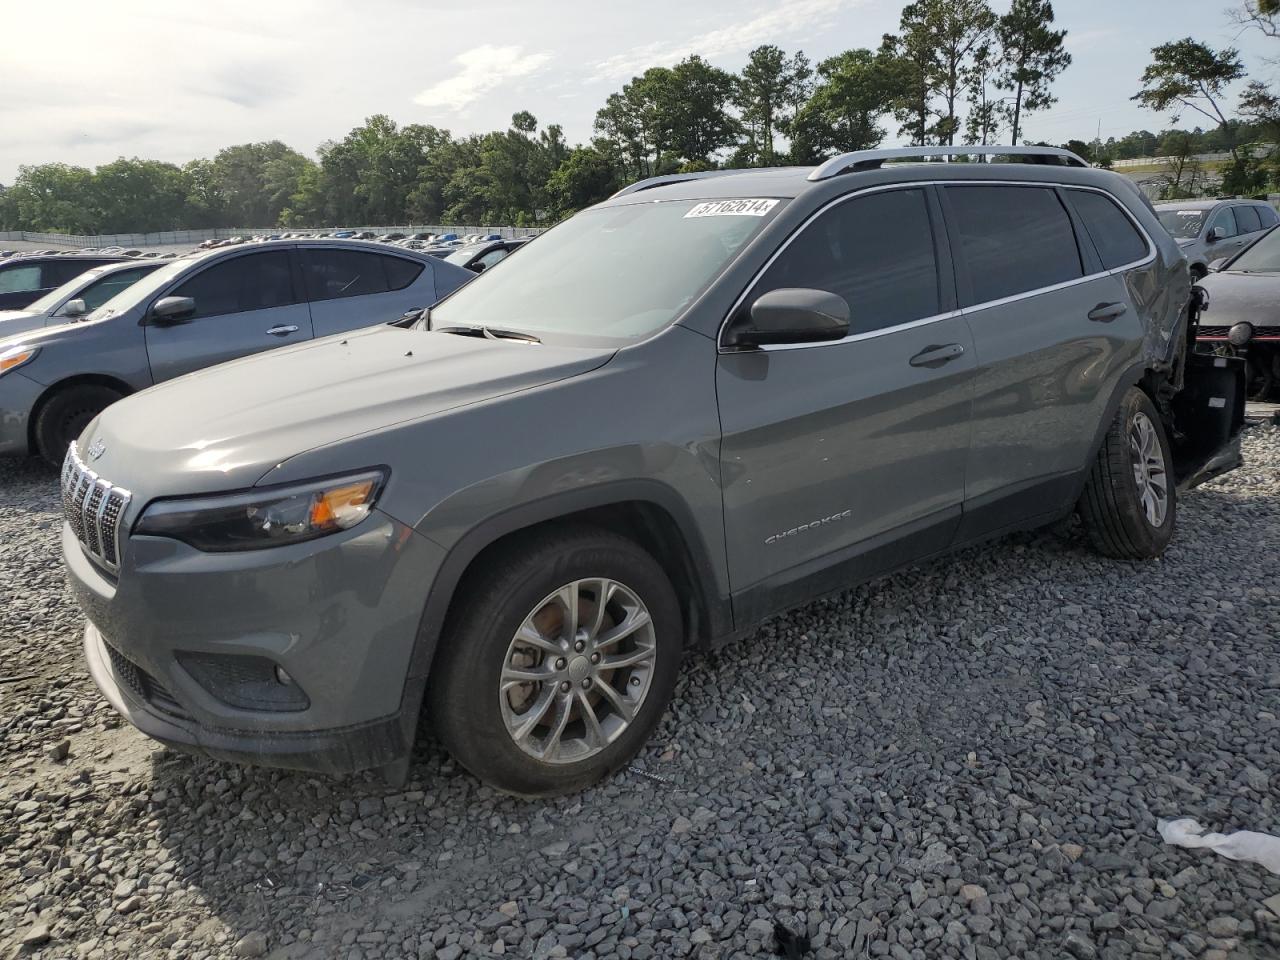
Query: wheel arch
[648, 512]
[53, 389]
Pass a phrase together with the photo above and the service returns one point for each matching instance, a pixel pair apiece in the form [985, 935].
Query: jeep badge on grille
[97, 449]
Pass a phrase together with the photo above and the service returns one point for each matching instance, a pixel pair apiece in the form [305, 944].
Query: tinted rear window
[401, 272]
[1267, 216]
[333, 274]
[1014, 239]
[20, 279]
[1116, 239]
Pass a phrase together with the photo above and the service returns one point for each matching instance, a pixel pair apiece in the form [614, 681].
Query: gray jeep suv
[194, 312]
[704, 401]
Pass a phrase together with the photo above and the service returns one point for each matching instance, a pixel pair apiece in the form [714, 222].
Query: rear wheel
[1129, 503]
[65, 415]
[558, 663]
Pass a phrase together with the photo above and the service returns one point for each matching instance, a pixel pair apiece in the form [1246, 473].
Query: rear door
[1249, 223]
[1053, 330]
[840, 458]
[244, 304]
[1231, 243]
[359, 288]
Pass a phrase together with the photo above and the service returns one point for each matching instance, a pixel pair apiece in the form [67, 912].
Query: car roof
[63, 258]
[1193, 204]
[852, 171]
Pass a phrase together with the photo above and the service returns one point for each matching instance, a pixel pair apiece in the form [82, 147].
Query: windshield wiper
[490, 333]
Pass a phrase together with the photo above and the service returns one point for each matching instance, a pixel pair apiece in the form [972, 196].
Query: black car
[1243, 318]
[478, 257]
[23, 280]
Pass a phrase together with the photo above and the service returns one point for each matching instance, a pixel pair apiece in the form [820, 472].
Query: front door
[840, 458]
[243, 305]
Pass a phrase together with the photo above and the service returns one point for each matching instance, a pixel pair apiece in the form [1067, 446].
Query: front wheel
[65, 415]
[1129, 502]
[557, 663]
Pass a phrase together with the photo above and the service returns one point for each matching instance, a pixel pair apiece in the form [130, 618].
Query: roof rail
[667, 178]
[873, 159]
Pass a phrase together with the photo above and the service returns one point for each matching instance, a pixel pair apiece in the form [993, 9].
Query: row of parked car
[1233, 249]
[708, 399]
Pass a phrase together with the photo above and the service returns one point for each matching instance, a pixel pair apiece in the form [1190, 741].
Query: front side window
[1014, 239]
[1225, 220]
[1247, 219]
[334, 274]
[20, 279]
[876, 251]
[254, 282]
[612, 274]
[1117, 240]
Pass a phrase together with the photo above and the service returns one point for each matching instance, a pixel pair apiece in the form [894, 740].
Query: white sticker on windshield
[732, 208]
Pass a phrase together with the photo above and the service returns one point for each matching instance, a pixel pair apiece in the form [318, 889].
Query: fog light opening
[282, 677]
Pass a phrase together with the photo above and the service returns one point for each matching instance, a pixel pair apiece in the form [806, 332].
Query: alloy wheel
[1149, 472]
[577, 670]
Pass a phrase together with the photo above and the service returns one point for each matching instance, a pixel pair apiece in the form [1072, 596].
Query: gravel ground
[966, 760]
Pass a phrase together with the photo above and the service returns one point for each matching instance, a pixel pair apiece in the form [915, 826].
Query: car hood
[224, 428]
[13, 322]
[1242, 296]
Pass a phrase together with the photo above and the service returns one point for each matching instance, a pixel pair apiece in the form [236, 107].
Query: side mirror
[792, 315]
[1218, 264]
[173, 309]
[74, 308]
[1216, 234]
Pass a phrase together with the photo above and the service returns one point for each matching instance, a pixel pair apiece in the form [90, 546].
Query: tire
[1120, 523]
[65, 415]
[478, 711]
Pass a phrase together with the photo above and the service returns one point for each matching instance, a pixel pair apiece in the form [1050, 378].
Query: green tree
[256, 181]
[961, 31]
[1189, 75]
[693, 111]
[586, 176]
[140, 196]
[767, 86]
[854, 91]
[54, 196]
[1032, 55]
[918, 65]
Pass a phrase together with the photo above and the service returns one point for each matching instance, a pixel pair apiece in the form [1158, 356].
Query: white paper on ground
[1261, 848]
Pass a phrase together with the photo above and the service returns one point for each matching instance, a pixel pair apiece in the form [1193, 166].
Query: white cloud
[787, 18]
[483, 69]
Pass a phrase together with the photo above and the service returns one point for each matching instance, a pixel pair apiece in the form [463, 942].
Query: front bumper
[18, 395]
[340, 615]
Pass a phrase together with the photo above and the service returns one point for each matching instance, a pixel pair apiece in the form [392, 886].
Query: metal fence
[169, 237]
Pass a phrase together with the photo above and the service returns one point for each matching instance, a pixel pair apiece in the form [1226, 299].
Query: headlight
[15, 357]
[264, 518]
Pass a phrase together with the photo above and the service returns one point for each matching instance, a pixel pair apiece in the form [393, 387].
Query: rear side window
[1247, 219]
[1014, 239]
[254, 282]
[401, 272]
[20, 279]
[1116, 238]
[334, 274]
[1268, 217]
[876, 251]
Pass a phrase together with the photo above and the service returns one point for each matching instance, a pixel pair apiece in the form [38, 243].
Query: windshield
[463, 256]
[54, 297]
[1262, 257]
[611, 273]
[1182, 224]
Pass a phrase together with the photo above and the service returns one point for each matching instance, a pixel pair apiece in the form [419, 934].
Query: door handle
[935, 356]
[283, 330]
[1106, 312]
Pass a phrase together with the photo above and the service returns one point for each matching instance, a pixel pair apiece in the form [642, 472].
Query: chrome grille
[93, 508]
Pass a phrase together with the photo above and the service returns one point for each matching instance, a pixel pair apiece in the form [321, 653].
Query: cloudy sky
[84, 82]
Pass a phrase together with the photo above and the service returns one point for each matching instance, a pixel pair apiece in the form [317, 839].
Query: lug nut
[635, 681]
[564, 687]
[595, 658]
[579, 646]
[586, 684]
[560, 664]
